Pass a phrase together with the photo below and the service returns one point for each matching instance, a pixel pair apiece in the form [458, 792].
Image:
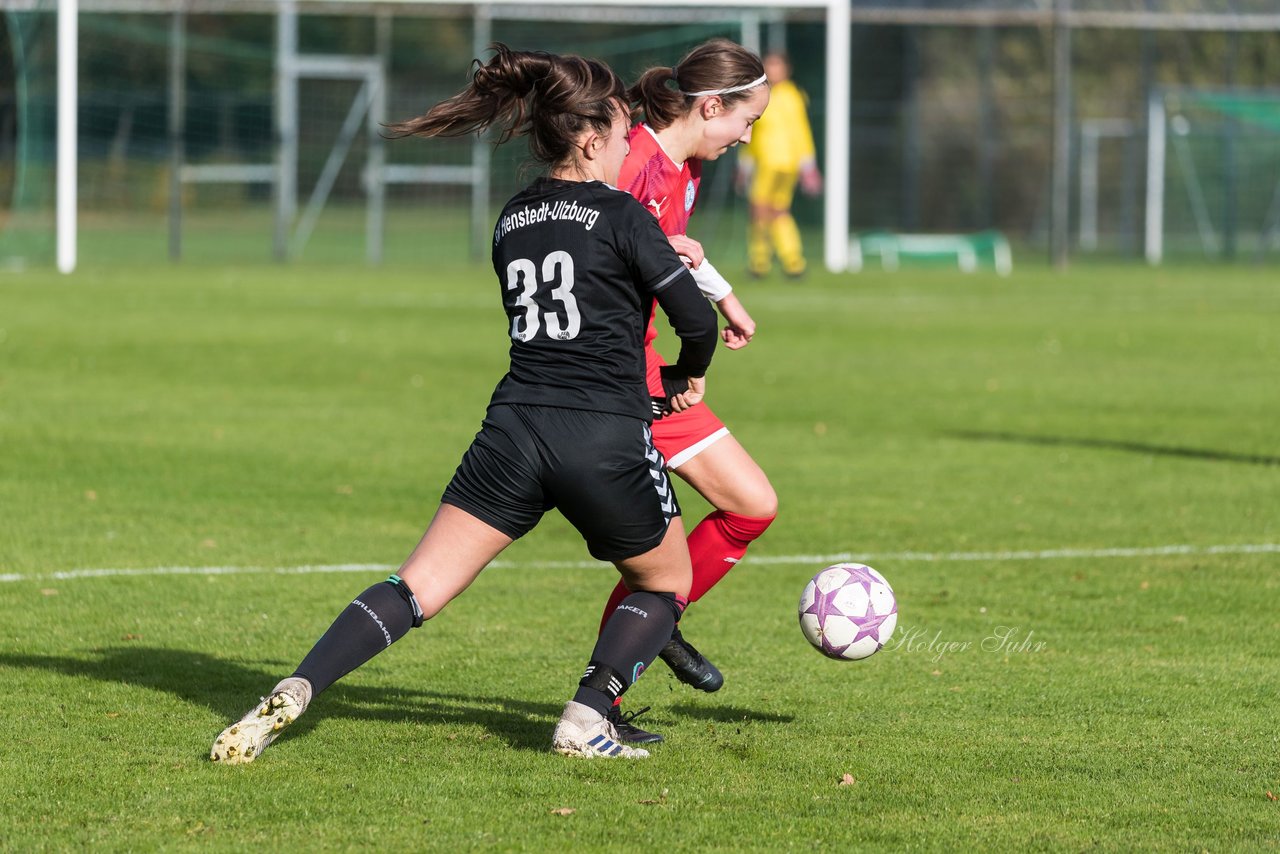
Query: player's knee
[676, 602]
[762, 503]
[673, 579]
[418, 616]
[768, 506]
[679, 584]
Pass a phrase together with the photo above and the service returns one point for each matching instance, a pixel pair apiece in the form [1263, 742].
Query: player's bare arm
[739, 327]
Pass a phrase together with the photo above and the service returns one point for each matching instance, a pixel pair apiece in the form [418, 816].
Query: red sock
[717, 544]
[714, 547]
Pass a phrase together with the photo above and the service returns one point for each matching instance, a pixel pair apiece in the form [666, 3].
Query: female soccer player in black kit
[579, 264]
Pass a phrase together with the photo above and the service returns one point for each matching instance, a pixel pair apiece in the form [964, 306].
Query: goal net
[1213, 173]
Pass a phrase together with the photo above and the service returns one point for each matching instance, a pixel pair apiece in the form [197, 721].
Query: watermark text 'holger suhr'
[1009, 640]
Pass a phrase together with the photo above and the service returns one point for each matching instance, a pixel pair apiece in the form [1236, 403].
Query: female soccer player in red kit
[695, 111]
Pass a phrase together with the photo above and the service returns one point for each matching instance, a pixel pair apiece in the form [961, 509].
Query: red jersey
[668, 191]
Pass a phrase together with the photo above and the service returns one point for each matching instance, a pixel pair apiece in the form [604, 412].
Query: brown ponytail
[662, 93]
[551, 99]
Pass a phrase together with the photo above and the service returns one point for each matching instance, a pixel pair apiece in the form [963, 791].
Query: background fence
[951, 121]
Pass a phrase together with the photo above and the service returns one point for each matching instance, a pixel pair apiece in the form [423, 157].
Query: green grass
[263, 417]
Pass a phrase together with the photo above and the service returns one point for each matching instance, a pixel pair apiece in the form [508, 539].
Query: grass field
[1071, 480]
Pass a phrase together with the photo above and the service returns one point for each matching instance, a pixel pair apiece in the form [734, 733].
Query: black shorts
[599, 469]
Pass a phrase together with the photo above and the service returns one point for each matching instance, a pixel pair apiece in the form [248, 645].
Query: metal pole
[1133, 150]
[481, 227]
[1060, 202]
[375, 225]
[986, 128]
[1155, 177]
[1089, 134]
[286, 184]
[1230, 165]
[835, 228]
[177, 127]
[910, 217]
[751, 32]
[68, 101]
[776, 34]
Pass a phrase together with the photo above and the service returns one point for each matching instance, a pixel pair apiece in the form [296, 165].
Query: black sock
[630, 641]
[377, 618]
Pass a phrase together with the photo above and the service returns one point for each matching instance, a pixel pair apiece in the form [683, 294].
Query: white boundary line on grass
[928, 557]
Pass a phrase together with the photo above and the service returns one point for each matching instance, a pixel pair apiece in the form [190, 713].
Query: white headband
[745, 86]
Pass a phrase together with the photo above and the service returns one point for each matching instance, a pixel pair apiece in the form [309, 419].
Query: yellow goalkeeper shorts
[773, 188]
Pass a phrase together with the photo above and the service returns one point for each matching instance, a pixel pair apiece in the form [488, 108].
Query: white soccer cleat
[245, 739]
[584, 732]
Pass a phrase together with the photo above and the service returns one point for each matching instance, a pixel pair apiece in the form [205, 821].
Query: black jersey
[579, 265]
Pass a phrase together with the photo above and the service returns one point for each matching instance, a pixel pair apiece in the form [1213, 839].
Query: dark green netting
[1261, 109]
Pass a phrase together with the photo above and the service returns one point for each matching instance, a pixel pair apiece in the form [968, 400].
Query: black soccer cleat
[629, 732]
[689, 665]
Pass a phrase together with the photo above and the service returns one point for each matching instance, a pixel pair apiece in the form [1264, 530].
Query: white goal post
[838, 66]
[68, 132]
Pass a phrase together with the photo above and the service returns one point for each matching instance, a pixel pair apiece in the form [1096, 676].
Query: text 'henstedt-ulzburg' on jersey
[571, 211]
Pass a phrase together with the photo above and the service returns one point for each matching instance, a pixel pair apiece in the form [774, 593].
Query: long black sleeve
[694, 322]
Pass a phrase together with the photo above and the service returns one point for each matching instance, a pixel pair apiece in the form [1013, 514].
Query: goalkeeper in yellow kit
[780, 155]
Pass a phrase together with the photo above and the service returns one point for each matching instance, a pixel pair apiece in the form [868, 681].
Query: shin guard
[377, 618]
[632, 638]
[717, 543]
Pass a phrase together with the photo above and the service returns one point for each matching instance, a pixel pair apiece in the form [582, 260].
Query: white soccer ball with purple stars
[848, 611]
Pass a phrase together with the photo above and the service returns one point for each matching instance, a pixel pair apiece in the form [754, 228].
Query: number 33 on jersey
[557, 274]
[580, 264]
